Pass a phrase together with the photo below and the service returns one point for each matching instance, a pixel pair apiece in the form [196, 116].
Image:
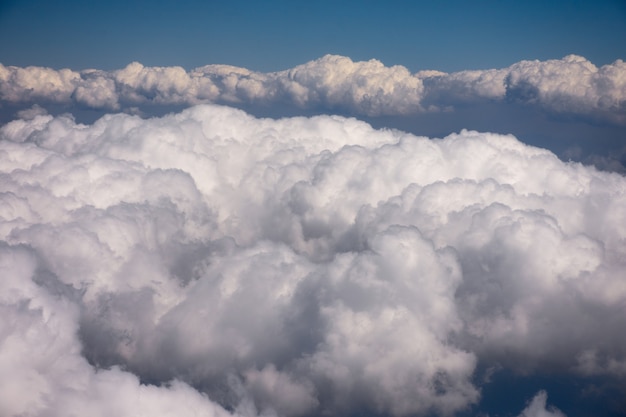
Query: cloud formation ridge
[293, 267]
[571, 85]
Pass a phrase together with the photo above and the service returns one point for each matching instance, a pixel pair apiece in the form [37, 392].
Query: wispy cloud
[537, 407]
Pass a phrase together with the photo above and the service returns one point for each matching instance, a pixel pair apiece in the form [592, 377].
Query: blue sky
[274, 35]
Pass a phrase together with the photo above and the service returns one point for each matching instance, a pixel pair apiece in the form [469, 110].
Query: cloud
[332, 82]
[461, 88]
[367, 88]
[569, 86]
[572, 85]
[294, 267]
[537, 407]
[37, 83]
[42, 370]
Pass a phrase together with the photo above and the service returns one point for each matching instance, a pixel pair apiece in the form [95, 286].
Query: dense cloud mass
[213, 263]
[570, 86]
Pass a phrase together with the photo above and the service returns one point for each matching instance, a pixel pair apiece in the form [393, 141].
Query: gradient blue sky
[276, 35]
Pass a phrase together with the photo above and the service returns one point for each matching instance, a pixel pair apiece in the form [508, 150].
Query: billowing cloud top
[213, 263]
[571, 85]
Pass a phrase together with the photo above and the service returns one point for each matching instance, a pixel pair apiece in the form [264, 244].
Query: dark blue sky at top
[276, 35]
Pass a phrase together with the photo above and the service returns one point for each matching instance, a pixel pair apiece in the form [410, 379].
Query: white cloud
[295, 266]
[42, 370]
[537, 407]
[363, 87]
[37, 83]
[571, 86]
[97, 90]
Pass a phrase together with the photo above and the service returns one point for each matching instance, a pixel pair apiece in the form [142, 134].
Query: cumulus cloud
[571, 86]
[302, 266]
[334, 82]
[537, 407]
[37, 83]
[42, 370]
[365, 87]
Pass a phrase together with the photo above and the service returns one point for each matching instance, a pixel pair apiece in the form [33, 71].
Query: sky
[276, 35]
[307, 209]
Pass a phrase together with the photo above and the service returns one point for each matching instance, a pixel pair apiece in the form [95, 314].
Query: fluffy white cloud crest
[365, 87]
[297, 266]
[97, 90]
[37, 83]
[571, 85]
[160, 84]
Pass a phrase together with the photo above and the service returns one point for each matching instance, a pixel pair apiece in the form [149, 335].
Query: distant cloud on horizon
[568, 86]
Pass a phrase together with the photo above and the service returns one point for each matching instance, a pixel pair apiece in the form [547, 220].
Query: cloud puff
[537, 407]
[363, 87]
[571, 85]
[42, 370]
[37, 83]
[295, 267]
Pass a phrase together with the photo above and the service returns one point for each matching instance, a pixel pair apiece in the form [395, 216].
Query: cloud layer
[295, 267]
[569, 86]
